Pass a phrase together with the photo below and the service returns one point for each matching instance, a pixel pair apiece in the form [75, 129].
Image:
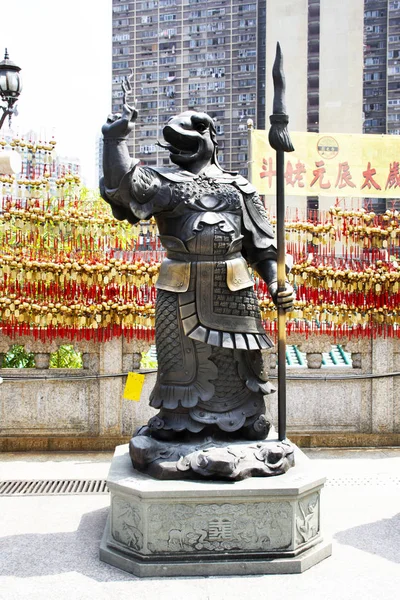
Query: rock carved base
[210, 458]
[191, 528]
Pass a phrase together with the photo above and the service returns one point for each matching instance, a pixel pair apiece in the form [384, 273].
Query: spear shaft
[280, 239]
[279, 139]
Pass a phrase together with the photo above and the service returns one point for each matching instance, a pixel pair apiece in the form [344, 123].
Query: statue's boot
[257, 429]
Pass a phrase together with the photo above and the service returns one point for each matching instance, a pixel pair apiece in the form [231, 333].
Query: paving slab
[49, 545]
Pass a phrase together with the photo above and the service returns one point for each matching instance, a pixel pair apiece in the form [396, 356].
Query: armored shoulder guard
[255, 220]
[244, 186]
[119, 211]
[143, 191]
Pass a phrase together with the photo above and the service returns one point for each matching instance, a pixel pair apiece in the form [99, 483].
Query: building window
[216, 41]
[148, 91]
[120, 37]
[197, 87]
[374, 76]
[247, 82]
[215, 12]
[121, 8]
[247, 53]
[168, 90]
[121, 65]
[216, 100]
[376, 122]
[375, 106]
[145, 105]
[147, 33]
[123, 50]
[196, 102]
[247, 37]
[375, 61]
[197, 14]
[247, 7]
[246, 97]
[375, 29]
[247, 23]
[373, 14]
[118, 78]
[168, 60]
[197, 43]
[167, 33]
[374, 91]
[247, 68]
[147, 149]
[215, 86]
[168, 17]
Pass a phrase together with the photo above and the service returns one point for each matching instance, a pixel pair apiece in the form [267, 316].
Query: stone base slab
[189, 528]
[273, 566]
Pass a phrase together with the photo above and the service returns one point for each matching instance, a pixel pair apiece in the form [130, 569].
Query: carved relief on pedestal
[127, 523]
[219, 527]
[307, 518]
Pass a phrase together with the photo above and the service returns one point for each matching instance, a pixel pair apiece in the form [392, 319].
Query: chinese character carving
[220, 529]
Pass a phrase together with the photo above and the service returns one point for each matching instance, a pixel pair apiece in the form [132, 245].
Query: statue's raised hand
[120, 125]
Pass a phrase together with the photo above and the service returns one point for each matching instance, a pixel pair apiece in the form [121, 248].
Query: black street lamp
[10, 86]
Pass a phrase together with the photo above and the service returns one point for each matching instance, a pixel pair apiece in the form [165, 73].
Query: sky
[64, 50]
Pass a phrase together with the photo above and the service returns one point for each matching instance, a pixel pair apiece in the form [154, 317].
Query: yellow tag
[133, 386]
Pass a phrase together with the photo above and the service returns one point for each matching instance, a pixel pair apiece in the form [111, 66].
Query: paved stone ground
[49, 544]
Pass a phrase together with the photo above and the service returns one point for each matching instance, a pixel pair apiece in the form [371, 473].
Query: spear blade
[279, 137]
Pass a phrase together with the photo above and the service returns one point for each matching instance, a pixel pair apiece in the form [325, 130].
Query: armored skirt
[209, 341]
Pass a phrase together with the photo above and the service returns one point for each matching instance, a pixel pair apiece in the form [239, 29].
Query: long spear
[280, 141]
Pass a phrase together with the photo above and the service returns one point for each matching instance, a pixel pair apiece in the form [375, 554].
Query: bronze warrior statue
[209, 334]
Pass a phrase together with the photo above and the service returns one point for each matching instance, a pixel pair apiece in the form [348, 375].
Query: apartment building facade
[191, 54]
[381, 86]
[342, 64]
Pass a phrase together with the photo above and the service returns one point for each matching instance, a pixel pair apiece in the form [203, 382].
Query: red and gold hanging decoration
[69, 269]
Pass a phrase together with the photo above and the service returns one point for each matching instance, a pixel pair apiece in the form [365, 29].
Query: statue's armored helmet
[191, 136]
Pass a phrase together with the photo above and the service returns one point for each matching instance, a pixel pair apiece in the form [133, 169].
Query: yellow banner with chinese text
[324, 164]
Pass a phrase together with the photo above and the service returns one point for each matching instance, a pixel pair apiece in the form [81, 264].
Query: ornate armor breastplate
[202, 225]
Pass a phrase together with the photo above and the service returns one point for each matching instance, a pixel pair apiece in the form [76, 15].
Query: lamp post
[10, 86]
[10, 89]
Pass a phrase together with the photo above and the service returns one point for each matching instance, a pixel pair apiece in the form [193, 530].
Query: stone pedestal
[191, 528]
